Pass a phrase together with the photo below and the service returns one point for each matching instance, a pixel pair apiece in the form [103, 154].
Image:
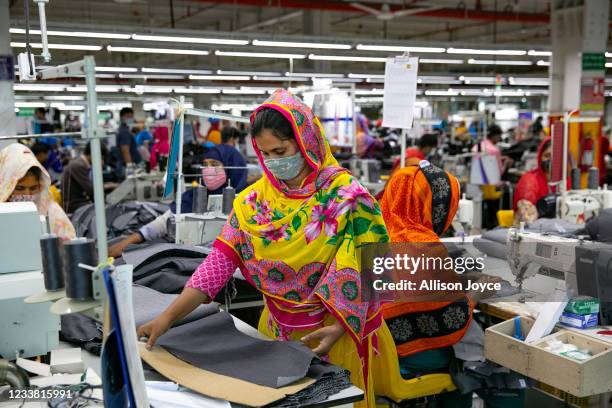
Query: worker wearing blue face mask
[126, 142]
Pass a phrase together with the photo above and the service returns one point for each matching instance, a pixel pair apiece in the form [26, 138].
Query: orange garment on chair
[414, 213]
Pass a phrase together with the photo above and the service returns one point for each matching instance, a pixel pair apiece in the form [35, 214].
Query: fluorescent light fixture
[385, 48]
[108, 88]
[434, 92]
[108, 76]
[60, 46]
[478, 80]
[30, 105]
[245, 91]
[258, 55]
[438, 80]
[293, 44]
[542, 63]
[440, 61]
[176, 71]
[347, 80]
[498, 62]
[72, 108]
[39, 87]
[284, 79]
[313, 75]
[219, 77]
[472, 51]
[528, 81]
[374, 99]
[141, 89]
[64, 98]
[258, 73]
[369, 92]
[367, 76]
[116, 69]
[193, 40]
[111, 48]
[150, 76]
[197, 90]
[608, 64]
[537, 53]
[608, 54]
[79, 34]
[316, 57]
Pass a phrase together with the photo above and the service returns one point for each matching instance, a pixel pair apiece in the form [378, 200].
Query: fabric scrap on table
[331, 380]
[214, 344]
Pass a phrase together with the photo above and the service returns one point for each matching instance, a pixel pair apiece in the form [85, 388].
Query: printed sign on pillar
[592, 96]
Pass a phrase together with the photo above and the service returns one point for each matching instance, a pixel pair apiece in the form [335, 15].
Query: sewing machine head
[530, 252]
[579, 205]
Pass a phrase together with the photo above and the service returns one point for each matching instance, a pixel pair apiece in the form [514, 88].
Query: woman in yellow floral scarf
[296, 235]
[23, 178]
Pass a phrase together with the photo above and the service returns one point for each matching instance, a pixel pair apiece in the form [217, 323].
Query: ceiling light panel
[293, 44]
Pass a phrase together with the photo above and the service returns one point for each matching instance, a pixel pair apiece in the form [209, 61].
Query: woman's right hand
[153, 329]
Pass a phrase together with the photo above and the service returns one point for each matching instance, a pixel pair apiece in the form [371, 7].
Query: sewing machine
[586, 265]
[27, 329]
[464, 217]
[200, 229]
[579, 205]
[139, 187]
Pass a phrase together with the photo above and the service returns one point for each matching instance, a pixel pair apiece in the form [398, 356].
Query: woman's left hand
[326, 337]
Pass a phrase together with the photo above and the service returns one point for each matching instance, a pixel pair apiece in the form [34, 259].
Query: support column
[579, 36]
[317, 23]
[7, 73]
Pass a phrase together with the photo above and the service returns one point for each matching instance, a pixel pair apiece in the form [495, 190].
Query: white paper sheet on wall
[400, 92]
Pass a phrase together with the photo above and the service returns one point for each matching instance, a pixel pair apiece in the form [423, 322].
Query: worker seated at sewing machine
[533, 186]
[215, 177]
[23, 178]
[409, 193]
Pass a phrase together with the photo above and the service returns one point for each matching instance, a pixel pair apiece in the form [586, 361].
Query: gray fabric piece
[471, 346]
[599, 228]
[149, 303]
[141, 254]
[491, 248]
[214, 344]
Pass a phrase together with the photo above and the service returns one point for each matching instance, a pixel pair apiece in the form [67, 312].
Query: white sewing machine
[464, 217]
[529, 252]
[579, 205]
[202, 229]
[586, 265]
[27, 329]
[139, 187]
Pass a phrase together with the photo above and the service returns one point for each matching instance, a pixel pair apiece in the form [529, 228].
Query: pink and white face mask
[214, 177]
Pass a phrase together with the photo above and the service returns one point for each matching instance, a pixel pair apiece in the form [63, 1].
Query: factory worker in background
[23, 178]
[214, 176]
[291, 234]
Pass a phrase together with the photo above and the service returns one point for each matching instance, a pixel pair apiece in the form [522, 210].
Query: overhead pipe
[446, 13]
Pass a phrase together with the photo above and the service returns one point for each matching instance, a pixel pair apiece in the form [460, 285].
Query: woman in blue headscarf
[227, 157]
[218, 173]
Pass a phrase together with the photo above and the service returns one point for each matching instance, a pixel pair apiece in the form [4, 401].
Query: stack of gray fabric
[164, 267]
[493, 243]
[121, 219]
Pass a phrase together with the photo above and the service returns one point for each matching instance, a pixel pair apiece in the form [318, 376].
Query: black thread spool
[593, 178]
[229, 193]
[576, 181]
[79, 280]
[53, 273]
[200, 200]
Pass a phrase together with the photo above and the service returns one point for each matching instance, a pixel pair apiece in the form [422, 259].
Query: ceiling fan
[385, 13]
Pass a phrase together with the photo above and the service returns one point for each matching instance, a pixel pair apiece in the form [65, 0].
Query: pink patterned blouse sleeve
[213, 274]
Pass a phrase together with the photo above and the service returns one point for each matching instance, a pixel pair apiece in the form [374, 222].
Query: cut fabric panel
[149, 304]
[214, 344]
